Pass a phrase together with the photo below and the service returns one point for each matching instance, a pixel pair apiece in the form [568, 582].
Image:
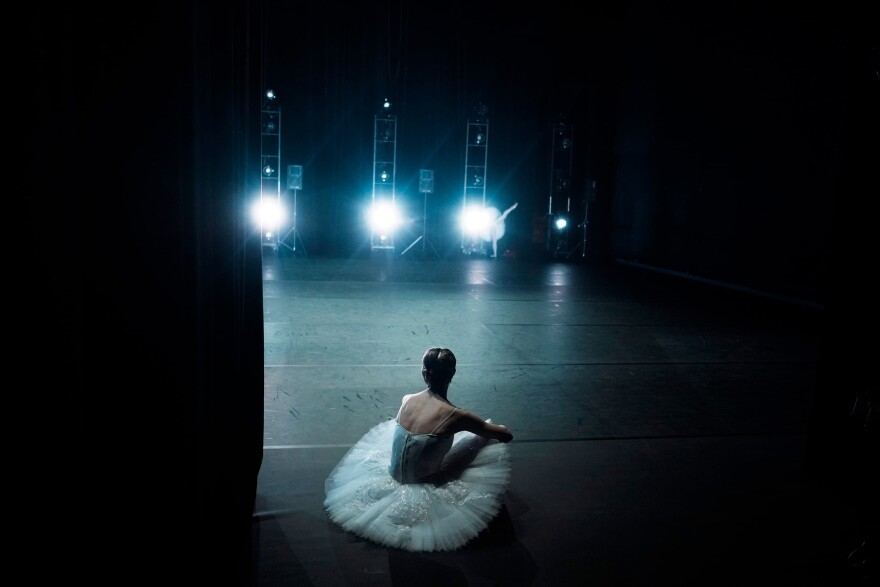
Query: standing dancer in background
[496, 228]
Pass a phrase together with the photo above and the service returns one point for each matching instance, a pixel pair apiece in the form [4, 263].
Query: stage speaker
[426, 181]
[294, 177]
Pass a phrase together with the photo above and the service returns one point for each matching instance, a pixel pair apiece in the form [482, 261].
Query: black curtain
[148, 273]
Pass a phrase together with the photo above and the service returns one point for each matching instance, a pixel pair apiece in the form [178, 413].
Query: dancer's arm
[485, 428]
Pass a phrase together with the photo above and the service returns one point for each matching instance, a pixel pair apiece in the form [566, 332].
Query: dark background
[731, 142]
[332, 65]
[714, 133]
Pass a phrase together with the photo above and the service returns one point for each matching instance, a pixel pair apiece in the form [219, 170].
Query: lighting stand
[476, 160]
[294, 232]
[270, 158]
[582, 245]
[423, 237]
[560, 186]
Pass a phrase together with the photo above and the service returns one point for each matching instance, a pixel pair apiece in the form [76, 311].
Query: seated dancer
[431, 479]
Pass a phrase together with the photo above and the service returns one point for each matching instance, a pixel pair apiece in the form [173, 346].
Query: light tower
[475, 162]
[270, 176]
[559, 220]
[383, 208]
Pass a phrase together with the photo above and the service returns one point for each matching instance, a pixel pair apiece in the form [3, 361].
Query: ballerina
[431, 479]
[496, 228]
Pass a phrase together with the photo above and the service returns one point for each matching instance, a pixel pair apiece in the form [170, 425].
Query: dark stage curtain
[143, 149]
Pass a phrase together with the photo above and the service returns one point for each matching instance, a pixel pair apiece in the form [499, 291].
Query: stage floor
[661, 425]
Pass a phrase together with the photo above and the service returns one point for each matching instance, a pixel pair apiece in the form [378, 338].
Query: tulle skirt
[363, 498]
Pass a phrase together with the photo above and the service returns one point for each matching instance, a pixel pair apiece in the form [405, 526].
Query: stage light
[268, 170]
[561, 223]
[480, 138]
[475, 221]
[388, 133]
[269, 102]
[384, 173]
[268, 214]
[384, 218]
[270, 122]
[386, 105]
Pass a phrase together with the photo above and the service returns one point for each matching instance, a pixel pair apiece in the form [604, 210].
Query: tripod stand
[582, 245]
[292, 245]
[423, 237]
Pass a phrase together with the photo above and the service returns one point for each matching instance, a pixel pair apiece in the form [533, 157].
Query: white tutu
[363, 498]
[494, 228]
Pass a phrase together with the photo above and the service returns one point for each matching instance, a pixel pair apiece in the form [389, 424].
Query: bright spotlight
[270, 95]
[561, 223]
[384, 218]
[476, 220]
[268, 213]
[386, 104]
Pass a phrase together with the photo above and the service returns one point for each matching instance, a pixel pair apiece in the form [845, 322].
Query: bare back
[425, 413]
[422, 413]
